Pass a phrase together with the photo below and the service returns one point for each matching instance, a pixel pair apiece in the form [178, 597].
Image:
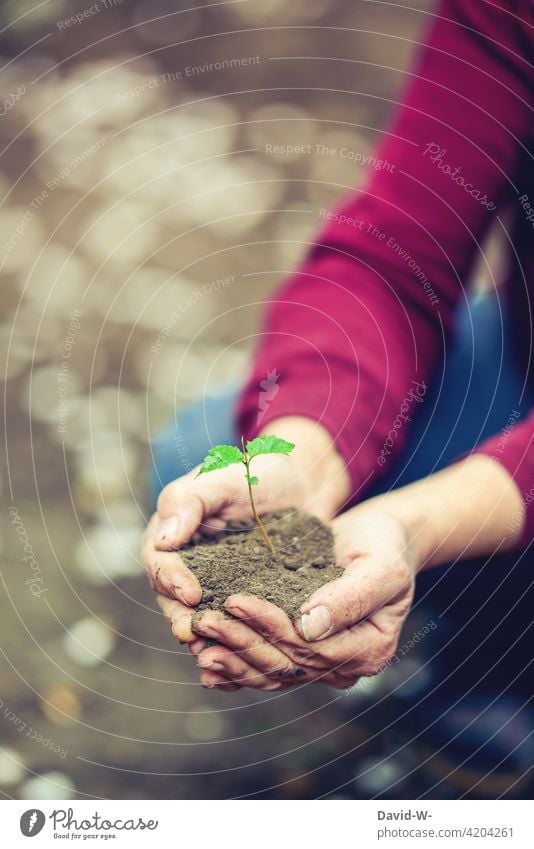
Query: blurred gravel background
[135, 178]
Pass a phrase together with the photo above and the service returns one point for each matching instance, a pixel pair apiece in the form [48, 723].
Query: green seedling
[221, 456]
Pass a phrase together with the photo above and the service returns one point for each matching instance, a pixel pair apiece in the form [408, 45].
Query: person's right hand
[312, 478]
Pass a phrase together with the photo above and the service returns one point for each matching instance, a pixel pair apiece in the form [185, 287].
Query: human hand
[349, 628]
[312, 478]
[467, 509]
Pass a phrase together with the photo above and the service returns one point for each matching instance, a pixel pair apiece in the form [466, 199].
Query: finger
[264, 617]
[211, 680]
[269, 621]
[250, 646]
[359, 647]
[185, 503]
[212, 527]
[196, 646]
[232, 666]
[179, 516]
[235, 668]
[364, 588]
[169, 575]
[166, 571]
[179, 615]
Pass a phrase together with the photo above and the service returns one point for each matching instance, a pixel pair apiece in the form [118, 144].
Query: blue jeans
[484, 609]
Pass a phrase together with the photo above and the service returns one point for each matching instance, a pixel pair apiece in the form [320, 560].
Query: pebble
[238, 194]
[26, 247]
[20, 352]
[151, 295]
[368, 689]
[281, 131]
[203, 723]
[49, 785]
[12, 769]
[134, 235]
[61, 705]
[279, 10]
[377, 775]
[56, 283]
[89, 642]
[202, 129]
[293, 234]
[109, 553]
[40, 394]
[23, 16]
[409, 678]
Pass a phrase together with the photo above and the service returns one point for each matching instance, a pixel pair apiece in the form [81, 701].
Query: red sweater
[369, 310]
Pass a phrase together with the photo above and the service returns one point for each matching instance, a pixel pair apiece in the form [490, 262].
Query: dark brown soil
[239, 561]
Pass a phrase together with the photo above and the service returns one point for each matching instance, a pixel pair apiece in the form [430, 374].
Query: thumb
[183, 505]
[362, 589]
[178, 517]
[187, 502]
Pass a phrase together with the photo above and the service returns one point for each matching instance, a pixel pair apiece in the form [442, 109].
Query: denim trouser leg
[185, 443]
[471, 396]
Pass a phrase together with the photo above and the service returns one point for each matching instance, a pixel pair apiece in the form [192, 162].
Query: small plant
[221, 456]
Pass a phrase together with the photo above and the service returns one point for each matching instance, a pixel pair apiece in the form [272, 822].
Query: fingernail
[187, 595]
[208, 631]
[197, 646]
[316, 623]
[179, 594]
[236, 611]
[214, 665]
[168, 528]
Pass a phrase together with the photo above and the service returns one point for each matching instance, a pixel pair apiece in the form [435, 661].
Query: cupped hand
[312, 478]
[349, 628]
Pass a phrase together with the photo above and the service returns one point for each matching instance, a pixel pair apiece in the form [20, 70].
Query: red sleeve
[354, 333]
[513, 447]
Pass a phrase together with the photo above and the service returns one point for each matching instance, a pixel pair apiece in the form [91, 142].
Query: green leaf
[220, 456]
[269, 445]
[253, 481]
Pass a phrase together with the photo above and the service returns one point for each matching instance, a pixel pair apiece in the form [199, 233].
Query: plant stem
[251, 497]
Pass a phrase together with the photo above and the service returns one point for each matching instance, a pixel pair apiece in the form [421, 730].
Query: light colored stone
[24, 234]
[121, 234]
[49, 785]
[282, 131]
[378, 775]
[259, 11]
[40, 393]
[12, 769]
[16, 353]
[88, 642]
[204, 723]
[294, 234]
[56, 282]
[109, 553]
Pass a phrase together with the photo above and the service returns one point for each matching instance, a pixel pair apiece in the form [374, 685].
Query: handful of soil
[238, 561]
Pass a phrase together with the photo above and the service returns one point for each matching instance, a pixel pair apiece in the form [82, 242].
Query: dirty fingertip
[181, 628]
[238, 604]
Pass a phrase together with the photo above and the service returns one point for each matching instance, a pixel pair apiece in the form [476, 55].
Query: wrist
[319, 471]
[465, 510]
[409, 506]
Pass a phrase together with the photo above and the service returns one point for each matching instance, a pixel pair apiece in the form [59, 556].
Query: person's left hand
[349, 628]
